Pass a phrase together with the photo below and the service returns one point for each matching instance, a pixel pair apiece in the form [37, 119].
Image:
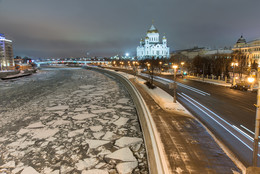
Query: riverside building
[152, 47]
[251, 50]
[6, 53]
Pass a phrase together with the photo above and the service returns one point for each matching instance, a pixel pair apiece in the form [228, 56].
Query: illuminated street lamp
[251, 79]
[160, 63]
[175, 84]
[234, 64]
[148, 65]
[134, 63]
[182, 63]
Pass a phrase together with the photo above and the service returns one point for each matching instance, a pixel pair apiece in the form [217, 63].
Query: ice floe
[124, 154]
[83, 116]
[127, 141]
[96, 143]
[127, 167]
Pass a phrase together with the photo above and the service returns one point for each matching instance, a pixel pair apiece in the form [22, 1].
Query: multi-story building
[203, 52]
[251, 50]
[152, 47]
[189, 53]
[6, 53]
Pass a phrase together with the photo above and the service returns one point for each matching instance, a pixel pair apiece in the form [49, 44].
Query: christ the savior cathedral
[152, 47]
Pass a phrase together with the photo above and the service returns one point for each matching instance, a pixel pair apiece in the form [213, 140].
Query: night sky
[71, 28]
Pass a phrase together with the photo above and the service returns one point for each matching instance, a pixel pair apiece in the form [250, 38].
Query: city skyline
[66, 28]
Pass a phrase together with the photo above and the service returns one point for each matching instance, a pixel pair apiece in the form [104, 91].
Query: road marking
[249, 131]
[180, 84]
[197, 104]
[248, 136]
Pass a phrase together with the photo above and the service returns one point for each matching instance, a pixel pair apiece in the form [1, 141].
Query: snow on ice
[79, 126]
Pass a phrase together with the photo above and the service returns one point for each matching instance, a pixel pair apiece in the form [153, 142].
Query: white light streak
[194, 103]
[217, 122]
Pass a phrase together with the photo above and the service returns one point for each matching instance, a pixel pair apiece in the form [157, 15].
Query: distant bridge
[84, 62]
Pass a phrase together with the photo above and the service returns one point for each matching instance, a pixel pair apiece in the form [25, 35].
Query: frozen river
[69, 121]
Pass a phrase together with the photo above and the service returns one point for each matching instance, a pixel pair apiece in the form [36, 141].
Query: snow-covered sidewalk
[211, 81]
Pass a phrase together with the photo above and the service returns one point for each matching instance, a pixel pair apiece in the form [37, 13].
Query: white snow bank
[164, 100]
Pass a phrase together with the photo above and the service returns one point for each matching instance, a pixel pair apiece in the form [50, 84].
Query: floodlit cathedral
[152, 47]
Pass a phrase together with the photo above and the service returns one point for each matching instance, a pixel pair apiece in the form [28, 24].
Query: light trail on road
[157, 78]
[219, 101]
[240, 135]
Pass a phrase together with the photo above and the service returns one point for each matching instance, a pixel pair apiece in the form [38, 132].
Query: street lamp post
[182, 63]
[234, 65]
[160, 63]
[251, 81]
[257, 124]
[134, 68]
[175, 84]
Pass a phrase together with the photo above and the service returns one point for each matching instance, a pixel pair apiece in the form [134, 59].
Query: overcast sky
[66, 28]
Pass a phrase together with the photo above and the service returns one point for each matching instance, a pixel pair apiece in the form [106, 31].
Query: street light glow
[234, 64]
[251, 79]
[126, 54]
[175, 66]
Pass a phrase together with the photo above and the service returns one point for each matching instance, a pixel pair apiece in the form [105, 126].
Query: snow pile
[164, 100]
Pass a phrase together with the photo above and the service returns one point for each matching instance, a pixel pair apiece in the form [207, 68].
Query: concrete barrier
[155, 156]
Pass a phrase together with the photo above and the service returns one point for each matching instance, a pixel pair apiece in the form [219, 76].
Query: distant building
[152, 47]
[227, 53]
[251, 50]
[203, 52]
[190, 53]
[6, 53]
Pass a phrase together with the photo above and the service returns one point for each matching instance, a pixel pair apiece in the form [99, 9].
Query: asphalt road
[188, 146]
[228, 113]
[233, 105]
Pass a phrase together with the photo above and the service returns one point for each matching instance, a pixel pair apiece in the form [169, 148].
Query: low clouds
[63, 28]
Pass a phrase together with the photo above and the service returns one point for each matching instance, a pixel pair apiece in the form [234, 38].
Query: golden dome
[152, 31]
[146, 37]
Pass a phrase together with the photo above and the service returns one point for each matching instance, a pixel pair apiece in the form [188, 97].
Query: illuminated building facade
[251, 50]
[152, 47]
[6, 53]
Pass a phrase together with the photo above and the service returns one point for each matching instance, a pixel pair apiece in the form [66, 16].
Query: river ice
[69, 121]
